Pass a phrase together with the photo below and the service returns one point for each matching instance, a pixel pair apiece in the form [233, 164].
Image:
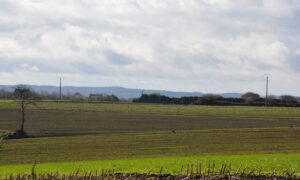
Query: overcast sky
[210, 46]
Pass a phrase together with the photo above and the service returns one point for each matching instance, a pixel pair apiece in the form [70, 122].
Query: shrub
[17, 134]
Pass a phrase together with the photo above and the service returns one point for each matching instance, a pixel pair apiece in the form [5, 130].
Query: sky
[210, 46]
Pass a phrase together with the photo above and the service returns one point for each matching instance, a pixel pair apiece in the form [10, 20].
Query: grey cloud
[6, 27]
[295, 62]
[7, 7]
[95, 69]
[151, 41]
[118, 59]
[7, 65]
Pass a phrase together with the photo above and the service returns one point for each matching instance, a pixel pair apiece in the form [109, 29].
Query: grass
[151, 144]
[267, 163]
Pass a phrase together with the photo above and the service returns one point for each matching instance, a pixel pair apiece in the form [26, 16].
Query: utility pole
[60, 96]
[267, 88]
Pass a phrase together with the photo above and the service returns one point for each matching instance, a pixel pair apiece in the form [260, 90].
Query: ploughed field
[69, 131]
[59, 119]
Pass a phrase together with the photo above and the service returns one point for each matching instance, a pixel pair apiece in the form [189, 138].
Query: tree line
[249, 98]
[4, 94]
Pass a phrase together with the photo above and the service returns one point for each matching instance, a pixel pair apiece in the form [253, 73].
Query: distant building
[78, 96]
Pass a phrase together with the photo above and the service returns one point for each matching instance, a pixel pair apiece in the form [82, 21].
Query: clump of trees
[288, 100]
[101, 97]
[161, 99]
[249, 98]
[4, 94]
[210, 99]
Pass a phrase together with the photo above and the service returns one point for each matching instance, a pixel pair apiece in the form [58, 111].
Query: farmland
[100, 133]
[238, 111]
[171, 165]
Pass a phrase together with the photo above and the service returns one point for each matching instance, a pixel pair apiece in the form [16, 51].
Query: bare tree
[250, 97]
[288, 99]
[25, 97]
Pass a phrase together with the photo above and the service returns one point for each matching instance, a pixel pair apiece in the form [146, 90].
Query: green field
[123, 135]
[170, 165]
[152, 144]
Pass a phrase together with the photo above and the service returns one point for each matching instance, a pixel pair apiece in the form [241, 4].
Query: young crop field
[151, 144]
[147, 137]
[269, 163]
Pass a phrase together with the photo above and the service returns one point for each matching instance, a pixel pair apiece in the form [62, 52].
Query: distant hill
[231, 95]
[121, 92]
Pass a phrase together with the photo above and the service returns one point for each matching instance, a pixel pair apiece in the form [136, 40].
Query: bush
[17, 135]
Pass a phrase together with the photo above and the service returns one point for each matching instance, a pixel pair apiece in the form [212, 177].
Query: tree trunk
[23, 116]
